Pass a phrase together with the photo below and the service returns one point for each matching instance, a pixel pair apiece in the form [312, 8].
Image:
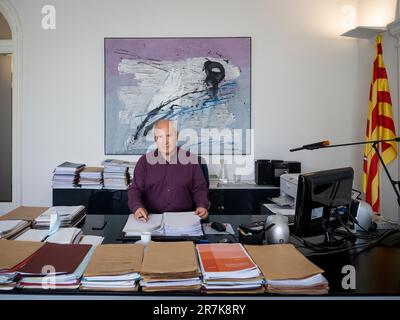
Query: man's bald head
[165, 136]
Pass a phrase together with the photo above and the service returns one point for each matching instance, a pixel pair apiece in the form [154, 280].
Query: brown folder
[163, 260]
[64, 258]
[282, 262]
[13, 253]
[24, 213]
[115, 259]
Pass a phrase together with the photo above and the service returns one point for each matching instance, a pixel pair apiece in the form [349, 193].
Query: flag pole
[395, 184]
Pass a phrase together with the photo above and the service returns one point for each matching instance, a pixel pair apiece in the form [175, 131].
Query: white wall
[304, 76]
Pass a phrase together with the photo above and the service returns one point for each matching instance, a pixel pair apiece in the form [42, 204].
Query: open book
[166, 224]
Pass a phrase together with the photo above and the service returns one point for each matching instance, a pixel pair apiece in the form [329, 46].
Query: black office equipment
[322, 202]
[268, 172]
[218, 226]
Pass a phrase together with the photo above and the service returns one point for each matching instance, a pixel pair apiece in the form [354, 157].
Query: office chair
[204, 169]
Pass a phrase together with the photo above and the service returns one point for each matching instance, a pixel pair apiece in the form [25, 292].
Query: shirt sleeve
[137, 187]
[199, 188]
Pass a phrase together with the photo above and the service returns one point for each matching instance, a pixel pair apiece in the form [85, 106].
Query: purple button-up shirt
[159, 186]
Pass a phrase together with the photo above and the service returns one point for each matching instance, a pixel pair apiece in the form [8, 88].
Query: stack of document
[170, 266]
[91, 178]
[182, 224]
[66, 175]
[114, 267]
[92, 240]
[116, 174]
[134, 227]
[14, 254]
[61, 236]
[10, 229]
[70, 216]
[227, 268]
[24, 213]
[287, 271]
[55, 266]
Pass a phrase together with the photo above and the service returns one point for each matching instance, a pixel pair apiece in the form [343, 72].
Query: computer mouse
[225, 240]
[277, 230]
[218, 226]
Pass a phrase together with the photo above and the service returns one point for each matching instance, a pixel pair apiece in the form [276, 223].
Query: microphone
[312, 146]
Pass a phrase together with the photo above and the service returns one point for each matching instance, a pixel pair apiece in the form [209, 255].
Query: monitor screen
[323, 198]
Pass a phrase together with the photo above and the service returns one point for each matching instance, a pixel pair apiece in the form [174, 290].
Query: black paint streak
[213, 78]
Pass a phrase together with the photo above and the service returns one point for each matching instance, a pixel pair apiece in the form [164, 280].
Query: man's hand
[141, 214]
[202, 213]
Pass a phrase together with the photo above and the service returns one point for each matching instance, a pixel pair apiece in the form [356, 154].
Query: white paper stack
[70, 216]
[182, 223]
[91, 178]
[62, 236]
[93, 240]
[226, 267]
[116, 173]
[10, 229]
[135, 227]
[66, 175]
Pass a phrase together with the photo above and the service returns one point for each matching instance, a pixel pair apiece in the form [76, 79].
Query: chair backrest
[204, 169]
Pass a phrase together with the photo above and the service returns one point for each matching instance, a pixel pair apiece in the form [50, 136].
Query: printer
[288, 186]
[285, 204]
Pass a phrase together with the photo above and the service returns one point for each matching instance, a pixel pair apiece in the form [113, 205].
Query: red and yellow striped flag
[380, 126]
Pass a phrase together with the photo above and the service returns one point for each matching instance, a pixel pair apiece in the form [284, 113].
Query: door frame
[14, 46]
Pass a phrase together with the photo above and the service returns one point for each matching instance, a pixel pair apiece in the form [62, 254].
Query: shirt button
[168, 190]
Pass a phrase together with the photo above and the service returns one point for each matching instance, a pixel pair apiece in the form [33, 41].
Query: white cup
[145, 237]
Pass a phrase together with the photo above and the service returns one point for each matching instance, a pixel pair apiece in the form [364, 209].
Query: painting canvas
[202, 83]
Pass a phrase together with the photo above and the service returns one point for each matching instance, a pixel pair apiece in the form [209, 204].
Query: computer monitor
[322, 202]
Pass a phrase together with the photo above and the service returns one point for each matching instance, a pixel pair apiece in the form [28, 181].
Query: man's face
[165, 136]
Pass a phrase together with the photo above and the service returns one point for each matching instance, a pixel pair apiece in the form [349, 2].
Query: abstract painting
[201, 83]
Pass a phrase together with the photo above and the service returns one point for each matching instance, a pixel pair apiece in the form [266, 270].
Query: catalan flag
[380, 126]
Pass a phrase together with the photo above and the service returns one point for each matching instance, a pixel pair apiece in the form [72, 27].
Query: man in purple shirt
[168, 178]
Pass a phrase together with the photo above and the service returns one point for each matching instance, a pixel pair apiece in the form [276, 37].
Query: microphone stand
[395, 184]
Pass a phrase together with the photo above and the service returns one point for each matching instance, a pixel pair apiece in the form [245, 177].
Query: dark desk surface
[377, 268]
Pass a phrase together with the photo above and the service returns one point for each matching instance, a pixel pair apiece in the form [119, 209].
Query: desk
[377, 269]
[225, 199]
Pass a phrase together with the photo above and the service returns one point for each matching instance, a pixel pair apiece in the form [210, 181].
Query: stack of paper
[170, 266]
[92, 240]
[14, 254]
[287, 271]
[61, 236]
[134, 227]
[114, 267]
[66, 175]
[91, 178]
[24, 213]
[182, 223]
[10, 229]
[70, 216]
[116, 174]
[226, 267]
[55, 266]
